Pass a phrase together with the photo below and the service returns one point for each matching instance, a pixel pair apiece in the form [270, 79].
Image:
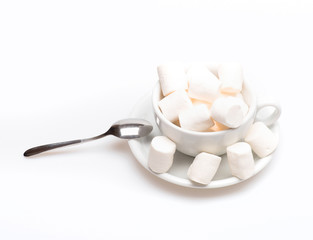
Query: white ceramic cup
[192, 143]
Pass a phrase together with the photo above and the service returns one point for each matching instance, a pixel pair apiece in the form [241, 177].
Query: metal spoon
[125, 129]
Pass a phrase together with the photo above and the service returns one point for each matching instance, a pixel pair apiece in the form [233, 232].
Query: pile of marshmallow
[195, 99]
[226, 111]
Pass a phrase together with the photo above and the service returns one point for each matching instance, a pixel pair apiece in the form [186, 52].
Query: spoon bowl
[126, 129]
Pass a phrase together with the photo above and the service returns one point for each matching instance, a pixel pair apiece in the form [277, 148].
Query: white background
[69, 69]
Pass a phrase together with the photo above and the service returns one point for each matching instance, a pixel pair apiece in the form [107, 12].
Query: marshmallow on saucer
[228, 111]
[172, 77]
[161, 154]
[231, 76]
[203, 168]
[240, 160]
[174, 103]
[262, 140]
[196, 118]
[203, 84]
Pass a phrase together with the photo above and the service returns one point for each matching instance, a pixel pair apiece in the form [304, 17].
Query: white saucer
[178, 172]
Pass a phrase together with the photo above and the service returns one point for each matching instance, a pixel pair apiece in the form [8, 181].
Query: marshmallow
[161, 154]
[197, 70]
[203, 168]
[231, 76]
[240, 160]
[228, 111]
[262, 140]
[196, 118]
[203, 84]
[172, 77]
[244, 105]
[174, 103]
[218, 127]
[239, 98]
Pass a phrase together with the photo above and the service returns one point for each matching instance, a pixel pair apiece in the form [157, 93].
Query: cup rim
[155, 100]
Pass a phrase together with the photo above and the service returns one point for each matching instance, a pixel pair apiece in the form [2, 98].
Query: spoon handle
[47, 147]
[43, 148]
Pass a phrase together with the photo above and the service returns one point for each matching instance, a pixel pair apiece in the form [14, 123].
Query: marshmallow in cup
[192, 143]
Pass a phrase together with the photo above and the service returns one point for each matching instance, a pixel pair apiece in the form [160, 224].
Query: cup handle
[271, 118]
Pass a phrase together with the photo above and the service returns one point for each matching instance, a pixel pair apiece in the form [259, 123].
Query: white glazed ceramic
[178, 172]
[192, 143]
